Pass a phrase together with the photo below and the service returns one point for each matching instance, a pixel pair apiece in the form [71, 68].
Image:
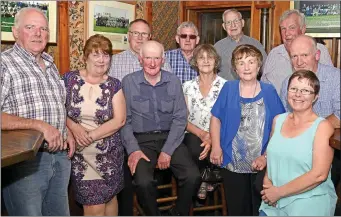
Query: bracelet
[264, 156]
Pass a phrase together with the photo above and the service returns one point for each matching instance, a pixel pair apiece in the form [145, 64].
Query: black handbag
[211, 174]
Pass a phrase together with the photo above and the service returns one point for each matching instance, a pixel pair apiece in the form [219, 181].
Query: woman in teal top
[297, 179]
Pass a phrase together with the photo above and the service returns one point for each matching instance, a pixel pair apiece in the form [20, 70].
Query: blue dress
[97, 170]
[289, 158]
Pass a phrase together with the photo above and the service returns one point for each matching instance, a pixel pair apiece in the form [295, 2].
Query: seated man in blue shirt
[154, 130]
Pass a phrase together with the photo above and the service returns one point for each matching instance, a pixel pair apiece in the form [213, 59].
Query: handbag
[211, 174]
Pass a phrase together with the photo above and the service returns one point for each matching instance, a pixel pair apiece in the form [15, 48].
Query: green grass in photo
[110, 29]
[323, 21]
[6, 24]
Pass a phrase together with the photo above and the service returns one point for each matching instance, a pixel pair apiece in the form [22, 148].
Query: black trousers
[182, 166]
[125, 197]
[336, 166]
[241, 196]
[193, 143]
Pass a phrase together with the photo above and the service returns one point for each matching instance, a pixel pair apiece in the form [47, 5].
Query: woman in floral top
[201, 94]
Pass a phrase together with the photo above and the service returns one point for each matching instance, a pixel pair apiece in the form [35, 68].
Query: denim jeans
[39, 186]
[262, 213]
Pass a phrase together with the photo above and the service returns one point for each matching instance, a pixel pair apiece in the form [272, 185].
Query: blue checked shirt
[180, 66]
[128, 62]
[28, 92]
[328, 101]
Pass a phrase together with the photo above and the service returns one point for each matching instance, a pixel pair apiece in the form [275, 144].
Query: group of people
[111, 124]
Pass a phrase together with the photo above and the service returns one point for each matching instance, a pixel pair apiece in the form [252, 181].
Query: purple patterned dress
[97, 170]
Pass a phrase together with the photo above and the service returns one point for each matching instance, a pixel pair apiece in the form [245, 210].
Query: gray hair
[287, 13]
[23, 11]
[187, 24]
[232, 10]
[148, 43]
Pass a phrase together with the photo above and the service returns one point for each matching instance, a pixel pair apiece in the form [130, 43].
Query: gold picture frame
[322, 18]
[9, 9]
[111, 19]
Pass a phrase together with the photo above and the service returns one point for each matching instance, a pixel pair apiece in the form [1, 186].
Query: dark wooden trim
[63, 37]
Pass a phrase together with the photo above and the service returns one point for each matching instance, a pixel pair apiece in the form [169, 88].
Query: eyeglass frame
[309, 92]
[190, 36]
[235, 21]
[137, 34]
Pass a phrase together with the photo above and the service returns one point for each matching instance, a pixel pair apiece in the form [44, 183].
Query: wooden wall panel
[63, 37]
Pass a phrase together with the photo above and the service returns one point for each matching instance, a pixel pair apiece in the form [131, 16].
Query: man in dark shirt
[154, 130]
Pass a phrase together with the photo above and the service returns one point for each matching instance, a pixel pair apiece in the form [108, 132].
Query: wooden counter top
[334, 141]
[19, 145]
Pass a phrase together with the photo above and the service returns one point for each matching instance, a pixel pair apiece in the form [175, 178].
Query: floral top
[199, 107]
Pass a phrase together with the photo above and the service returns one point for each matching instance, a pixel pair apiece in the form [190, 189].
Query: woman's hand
[204, 153]
[81, 135]
[216, 156]
[259, 163]
[205, 137]
[271, 194]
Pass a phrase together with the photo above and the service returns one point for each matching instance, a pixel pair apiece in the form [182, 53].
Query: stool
[137, 210]
[216, 206]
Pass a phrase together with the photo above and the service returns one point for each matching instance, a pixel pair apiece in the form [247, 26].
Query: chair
[137, 210]
[216, 205]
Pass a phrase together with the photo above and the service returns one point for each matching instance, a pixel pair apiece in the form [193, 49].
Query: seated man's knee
[144, 181]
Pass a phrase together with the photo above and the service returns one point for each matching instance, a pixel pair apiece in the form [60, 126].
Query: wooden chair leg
[223, 200]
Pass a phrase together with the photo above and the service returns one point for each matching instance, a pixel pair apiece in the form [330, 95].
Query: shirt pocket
[167, 104]
[140, 104]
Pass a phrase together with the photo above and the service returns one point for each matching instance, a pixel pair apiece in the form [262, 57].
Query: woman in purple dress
[96, 111]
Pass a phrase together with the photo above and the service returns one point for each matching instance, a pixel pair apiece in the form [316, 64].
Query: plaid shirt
[180, 66]
[128, 62]
[28, 92]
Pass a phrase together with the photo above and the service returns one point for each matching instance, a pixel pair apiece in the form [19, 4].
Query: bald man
[154, 130]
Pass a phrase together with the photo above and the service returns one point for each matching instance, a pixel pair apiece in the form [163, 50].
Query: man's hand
[204, 153]
[53, 137]
[134, 158]
[70, 143]
[259, 163]
[163, 162]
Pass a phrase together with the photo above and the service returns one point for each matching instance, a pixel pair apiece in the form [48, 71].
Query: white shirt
[199, 107]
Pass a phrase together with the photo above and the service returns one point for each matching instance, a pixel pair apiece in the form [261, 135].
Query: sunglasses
[184, 36]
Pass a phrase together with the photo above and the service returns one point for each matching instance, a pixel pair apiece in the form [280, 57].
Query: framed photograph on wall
[322, 17]
[10, 8]
[111, 19]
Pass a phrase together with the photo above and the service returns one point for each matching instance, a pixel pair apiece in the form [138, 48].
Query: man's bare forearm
[13, 122]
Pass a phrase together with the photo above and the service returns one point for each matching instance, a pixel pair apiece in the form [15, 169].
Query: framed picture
[111, 19]
[322, 17]
[10, 8]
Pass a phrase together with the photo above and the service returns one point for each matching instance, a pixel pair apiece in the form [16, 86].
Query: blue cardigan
[228, 110]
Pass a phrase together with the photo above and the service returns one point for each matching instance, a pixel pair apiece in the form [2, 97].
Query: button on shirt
[180, 66]
[29, 92]
[151, 108]
[278, 65]
[328, 101]
[225, 48]
[128, 62]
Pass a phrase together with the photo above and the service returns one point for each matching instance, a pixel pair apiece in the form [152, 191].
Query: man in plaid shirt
[33, 97]
[187, 37]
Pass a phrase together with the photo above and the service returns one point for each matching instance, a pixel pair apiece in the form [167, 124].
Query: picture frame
[322, 17]
[10, 8]
[111, 19]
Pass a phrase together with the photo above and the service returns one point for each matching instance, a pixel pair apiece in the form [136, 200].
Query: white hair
[287, 13]
[148, 43]
[21, 14]
[187, 24]
[232, 10]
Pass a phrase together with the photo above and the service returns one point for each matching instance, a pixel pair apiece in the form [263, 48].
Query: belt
[153, 132]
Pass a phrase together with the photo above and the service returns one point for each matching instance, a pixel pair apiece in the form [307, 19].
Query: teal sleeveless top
[289, 158]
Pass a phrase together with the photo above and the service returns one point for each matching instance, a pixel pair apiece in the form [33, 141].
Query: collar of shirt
[139, 78]
[133, 54]
[283, 52]
[240, 40]
[30, 56]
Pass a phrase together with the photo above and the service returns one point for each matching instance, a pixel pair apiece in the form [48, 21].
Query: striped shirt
[180, 66]
[278, 65]
[128, 62]
[328, 101]
[225, 48]
[29, 92]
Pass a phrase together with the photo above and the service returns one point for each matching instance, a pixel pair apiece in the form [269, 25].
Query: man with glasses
[278, 66]
[187, 38]
[233, 24]
[127, 61]
[304, 54]
[154, 130]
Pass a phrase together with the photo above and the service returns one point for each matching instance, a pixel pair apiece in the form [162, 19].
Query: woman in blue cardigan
[240, 129]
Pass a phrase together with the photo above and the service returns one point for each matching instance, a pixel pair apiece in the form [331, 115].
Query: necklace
[246, 111]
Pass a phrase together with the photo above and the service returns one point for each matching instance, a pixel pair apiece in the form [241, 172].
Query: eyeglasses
[229, 23]
[184, 36]
[303, 91]
[137, 34]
